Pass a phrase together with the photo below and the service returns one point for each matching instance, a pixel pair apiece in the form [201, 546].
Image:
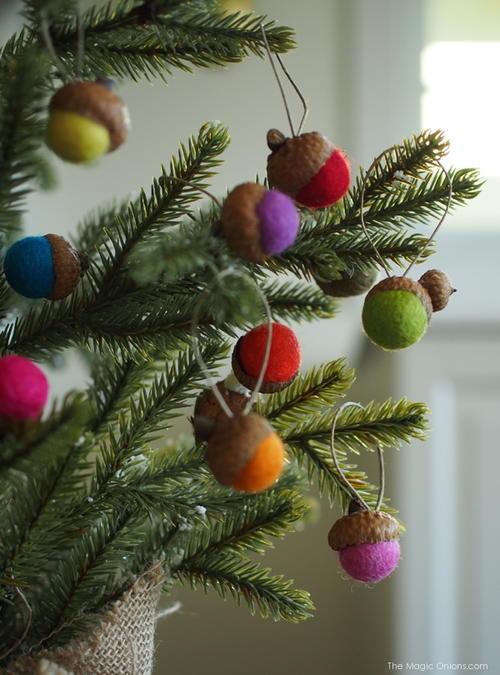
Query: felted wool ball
[258, 223]
[23, 391]
[208, 411]
[437, 284]
[44, 267]
[86, 120]
[245, 453]
[367, 542]
[284, 361]
[396, 313]
[349, 285]
[308, 167]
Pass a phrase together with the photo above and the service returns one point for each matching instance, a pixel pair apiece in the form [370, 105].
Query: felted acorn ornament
[307, 167]
[23, 392]
[86, 120]
[349, 284]
[368, 544]
[396, 312]
[208, 411]
[44, 267]
[258, 223]
[245, 453]
[284, 362]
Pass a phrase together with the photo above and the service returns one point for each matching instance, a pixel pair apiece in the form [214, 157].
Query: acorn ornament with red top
[245, 453]
[307, 167]
[397, 311]
[44, 267]
[367, 542]
[86, 120]
[258, 223]
[285, 357]
[23, 392]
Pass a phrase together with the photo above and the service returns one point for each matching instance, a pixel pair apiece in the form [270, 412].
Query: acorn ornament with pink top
[367, 540]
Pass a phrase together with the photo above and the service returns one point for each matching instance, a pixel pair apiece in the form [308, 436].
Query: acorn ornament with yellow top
[86, 121]
[397, 310]
[44, 267]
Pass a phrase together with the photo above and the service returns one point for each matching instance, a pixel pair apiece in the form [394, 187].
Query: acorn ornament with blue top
[44, 267]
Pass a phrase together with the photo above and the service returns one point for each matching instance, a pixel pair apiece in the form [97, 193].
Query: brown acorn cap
[233, 443]
[297, 160]
[404, 284]
[69, 266]
[208, 411]
[363, 527]
[348, 286]
[240, 223]
[249, 381]
[437, 284]
[97, 103]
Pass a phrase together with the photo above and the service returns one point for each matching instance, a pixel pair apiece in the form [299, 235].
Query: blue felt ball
[29, 267]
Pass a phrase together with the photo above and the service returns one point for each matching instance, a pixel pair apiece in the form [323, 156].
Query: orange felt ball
[245, 453]
[264, 468]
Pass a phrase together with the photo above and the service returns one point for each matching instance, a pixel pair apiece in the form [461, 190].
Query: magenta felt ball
[370, 562]
[23, 388]
[278, 221]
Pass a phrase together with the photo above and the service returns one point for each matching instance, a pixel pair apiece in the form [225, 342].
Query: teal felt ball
[394, 319]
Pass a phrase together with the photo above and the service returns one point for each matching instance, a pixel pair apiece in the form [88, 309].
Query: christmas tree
[101, 509]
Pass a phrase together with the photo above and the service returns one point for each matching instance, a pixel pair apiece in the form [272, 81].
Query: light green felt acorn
[398, 310]
[86, 120]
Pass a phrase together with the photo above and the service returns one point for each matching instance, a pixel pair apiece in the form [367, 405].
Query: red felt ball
[284, 358]
[328, 185]
[23, 388]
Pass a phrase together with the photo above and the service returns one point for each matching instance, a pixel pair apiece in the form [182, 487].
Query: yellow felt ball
[76, 138]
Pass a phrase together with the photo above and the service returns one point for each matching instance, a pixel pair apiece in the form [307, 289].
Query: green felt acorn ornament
[398, 310]
[86, 121]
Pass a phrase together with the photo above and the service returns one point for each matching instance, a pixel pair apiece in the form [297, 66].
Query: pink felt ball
[370, 562]
[23, 388]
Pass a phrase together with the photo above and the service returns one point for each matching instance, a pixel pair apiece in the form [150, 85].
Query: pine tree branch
[122, 41]
[246, 580]
[23, 92]
[384, 425]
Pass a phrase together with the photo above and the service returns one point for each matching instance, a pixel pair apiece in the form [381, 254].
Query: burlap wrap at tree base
[122, 643]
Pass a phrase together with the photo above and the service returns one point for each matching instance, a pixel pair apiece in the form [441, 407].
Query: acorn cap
[249, 381]
[295, 161]
[347, 286]
[437, 284]
[96, 102]
[208, 410]
[404, 284]
[363, 527]
[233, 443]
[69, 266]
[240, 222]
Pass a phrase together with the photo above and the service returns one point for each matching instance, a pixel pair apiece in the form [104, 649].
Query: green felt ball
[394, 319]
